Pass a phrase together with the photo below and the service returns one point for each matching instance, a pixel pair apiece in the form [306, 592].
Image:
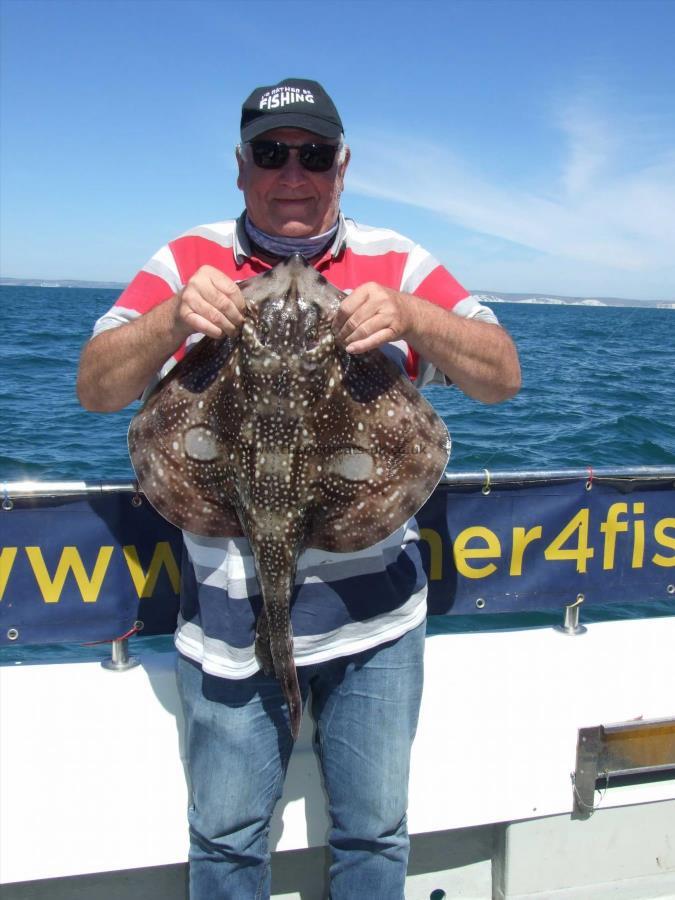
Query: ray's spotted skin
[280, 435]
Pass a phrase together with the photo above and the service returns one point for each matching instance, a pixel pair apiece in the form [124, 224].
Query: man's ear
[343, 167]
[240, 166]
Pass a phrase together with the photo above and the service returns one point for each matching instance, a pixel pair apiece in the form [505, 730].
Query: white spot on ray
[200, 444]
[355, 466]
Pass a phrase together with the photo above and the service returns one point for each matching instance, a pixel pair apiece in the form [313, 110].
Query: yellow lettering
[7, 558]
[665, 540]
[638, 538]
[435, 543]
[582, 552]
[145, 582]
[521, 539]
[70, 560]
[462, 552]
[610, 528]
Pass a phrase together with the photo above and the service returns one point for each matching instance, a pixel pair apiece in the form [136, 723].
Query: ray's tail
[274, 649]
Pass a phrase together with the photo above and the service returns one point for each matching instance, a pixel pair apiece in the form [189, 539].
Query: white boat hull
[92, 779]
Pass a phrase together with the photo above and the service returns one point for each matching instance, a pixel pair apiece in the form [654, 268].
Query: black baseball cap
[292, 103]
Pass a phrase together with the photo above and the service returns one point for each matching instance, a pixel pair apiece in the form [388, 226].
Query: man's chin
[295, 229]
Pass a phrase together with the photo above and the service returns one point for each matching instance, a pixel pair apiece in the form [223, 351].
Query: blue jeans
[238, 744]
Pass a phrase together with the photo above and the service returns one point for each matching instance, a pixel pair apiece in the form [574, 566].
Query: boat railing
[630, 474]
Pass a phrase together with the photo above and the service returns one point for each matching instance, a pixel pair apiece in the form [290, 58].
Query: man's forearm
[479, 357]
[117, 365]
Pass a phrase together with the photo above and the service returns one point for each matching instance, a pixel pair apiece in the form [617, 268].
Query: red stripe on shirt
[441, 288]
[193, 251]
[351, 269]
[144, 293]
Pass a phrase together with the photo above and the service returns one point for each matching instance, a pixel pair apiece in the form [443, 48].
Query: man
[358, 619]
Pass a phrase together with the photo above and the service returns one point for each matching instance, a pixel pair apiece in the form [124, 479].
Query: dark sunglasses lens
[317, 157]
[313, 157]
[269, 154]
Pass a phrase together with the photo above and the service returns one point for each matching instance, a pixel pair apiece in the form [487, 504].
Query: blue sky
[529, 145]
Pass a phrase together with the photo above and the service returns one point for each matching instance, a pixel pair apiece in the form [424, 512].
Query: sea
[598, 390]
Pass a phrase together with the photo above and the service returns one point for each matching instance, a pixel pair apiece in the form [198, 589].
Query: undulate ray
[280, 435]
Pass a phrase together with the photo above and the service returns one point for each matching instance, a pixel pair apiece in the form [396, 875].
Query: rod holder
[571, 621]
[120, 660]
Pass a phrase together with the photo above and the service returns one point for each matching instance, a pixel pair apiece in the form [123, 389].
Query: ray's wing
[380, 450]
[182, 441]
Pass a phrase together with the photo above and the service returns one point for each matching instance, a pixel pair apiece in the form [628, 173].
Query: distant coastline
[61, 283]
[487, 297]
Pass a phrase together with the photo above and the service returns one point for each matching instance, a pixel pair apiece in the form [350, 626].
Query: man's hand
[211, 303]
[373, 315]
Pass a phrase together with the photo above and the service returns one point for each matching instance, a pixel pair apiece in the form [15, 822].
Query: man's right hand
[210, 303]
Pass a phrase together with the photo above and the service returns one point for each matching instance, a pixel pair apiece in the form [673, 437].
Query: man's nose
[293, 172]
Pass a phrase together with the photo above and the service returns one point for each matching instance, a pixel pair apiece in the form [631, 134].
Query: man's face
[291, 201]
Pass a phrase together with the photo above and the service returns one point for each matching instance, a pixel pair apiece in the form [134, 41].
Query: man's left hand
[373, 315]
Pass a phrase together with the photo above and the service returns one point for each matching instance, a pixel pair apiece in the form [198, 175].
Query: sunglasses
[274, 155]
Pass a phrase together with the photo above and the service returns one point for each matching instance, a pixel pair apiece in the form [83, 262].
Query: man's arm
[479, 357]
[118, 364]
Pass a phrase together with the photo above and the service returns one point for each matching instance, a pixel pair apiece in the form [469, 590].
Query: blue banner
[531, 547]
[86, 569]
[89, 567]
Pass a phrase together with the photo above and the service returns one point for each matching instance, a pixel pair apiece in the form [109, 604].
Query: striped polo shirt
[343, 602]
